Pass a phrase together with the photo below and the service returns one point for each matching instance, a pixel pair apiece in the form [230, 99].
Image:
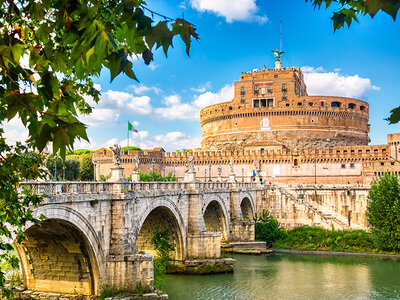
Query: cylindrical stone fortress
[271, 110]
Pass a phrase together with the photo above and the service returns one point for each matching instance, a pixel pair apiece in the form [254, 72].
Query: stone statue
[278, 55]
[256, 166]
[219, 171]
[136, 163]
[231, 166]
[116, 154]
[190, 164]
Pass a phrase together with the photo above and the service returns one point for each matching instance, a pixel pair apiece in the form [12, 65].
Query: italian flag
[131, 128]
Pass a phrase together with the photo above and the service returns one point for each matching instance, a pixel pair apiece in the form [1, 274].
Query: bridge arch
[246, 209]
[63, 254]
[162, 214]
[215, 217]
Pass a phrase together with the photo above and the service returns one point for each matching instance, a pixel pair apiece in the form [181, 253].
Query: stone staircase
[322, 216]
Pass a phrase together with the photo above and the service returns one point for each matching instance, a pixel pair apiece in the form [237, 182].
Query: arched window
[262, 151]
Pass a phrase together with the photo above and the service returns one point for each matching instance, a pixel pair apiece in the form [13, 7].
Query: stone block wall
[243, 231]
[204, 245]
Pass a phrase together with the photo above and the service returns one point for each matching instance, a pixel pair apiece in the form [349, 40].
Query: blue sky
[237, 35]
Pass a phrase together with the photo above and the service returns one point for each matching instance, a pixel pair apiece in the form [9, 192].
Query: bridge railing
[82, 187]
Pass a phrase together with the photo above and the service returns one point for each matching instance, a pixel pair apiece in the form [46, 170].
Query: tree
[267, 228]
[86, 170]
[49, 52]
[383, 211]
[347, 10]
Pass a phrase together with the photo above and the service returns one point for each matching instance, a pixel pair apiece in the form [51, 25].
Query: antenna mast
[280, 50]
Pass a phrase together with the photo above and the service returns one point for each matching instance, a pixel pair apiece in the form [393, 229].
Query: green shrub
[383, 211]
[161, 243]
[268, 229]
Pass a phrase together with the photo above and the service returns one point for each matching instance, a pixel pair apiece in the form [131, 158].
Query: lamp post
[94, 170]
[152, 178]
[55, 168]
[209, 172]
[163, 168]
[242, 174]
[63, 170]
[315, 166]
[205, 174]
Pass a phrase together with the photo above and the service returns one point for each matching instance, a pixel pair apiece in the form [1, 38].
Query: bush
[161, 243]
[383, 211]
[268, 229]
[157, 177]
[314, 238]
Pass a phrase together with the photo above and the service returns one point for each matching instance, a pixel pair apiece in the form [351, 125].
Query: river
[291, 276]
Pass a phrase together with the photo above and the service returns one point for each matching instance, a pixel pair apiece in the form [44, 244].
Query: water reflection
[294, 277]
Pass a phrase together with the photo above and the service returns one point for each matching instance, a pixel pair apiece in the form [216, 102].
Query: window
[242, 99]
[322, 103]
[382, 163]
[256, 89]
[263, 90]
[343, 166]
[287, 104]
[269, 88]
[336, 104]
[352, 105]
[230, 107]
[362, 107]
[262, 151]
[256, 103]
[284, 87]
[275, 76]
[392, 163]
[351, 165]
[311, 104]
[284, 97]
[299, 104]
[295, 162]
[242, 90]
[270, 102]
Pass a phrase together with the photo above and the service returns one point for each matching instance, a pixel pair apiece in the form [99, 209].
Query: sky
[236, 36]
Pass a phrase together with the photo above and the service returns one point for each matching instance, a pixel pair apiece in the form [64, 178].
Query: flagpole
[128, 135]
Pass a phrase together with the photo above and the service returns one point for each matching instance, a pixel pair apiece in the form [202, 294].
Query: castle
[274, 132]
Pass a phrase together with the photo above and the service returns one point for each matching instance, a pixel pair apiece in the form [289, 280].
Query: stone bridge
[98, 233]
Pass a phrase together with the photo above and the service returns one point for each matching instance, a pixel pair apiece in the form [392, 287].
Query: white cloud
[320, 82]
[114, 103]
[175, 109]
[202, 88]
[209, 98]
[141, 89]
[14, 131]
[170, 141]
[236, 10]
[153, 66]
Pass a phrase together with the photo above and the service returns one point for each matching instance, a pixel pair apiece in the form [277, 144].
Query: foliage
[314, 238]
[346, 11]
[267, 228]
[161, 243]
[17, 163]
[63, 44]
[383, 211]
[130, 148]
[110, 291]
[71, 168]
[66, 43]
[79, 152]
[104, 177]
[157, 177]
[86, 170]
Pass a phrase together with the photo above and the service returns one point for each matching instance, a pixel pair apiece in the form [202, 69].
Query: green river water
[290, 276]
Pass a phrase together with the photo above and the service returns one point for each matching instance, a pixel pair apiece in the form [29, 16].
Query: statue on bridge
[190, 164]
[136, 164]
[116, 154]
[231, 166]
